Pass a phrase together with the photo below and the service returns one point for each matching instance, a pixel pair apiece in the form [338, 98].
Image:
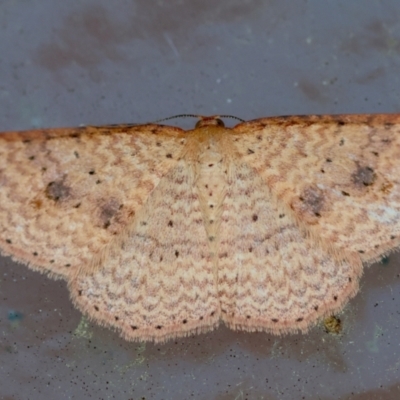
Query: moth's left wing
[338, 176]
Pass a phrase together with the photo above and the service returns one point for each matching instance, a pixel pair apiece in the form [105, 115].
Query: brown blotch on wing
[363, 176]
[58, 190]
[312, 199]
[108, 211]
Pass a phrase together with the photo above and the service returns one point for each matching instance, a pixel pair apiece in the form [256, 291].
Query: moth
[161, 232]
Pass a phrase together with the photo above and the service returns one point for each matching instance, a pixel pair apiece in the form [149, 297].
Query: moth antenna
[197, 116]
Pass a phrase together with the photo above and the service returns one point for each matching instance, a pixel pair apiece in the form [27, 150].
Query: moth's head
[203, 121]
[214, 120]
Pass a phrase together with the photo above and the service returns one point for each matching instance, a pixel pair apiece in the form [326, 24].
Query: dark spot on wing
[108, 212]
[58, 190]
[313, 200]
[363, 176]
[75, 135]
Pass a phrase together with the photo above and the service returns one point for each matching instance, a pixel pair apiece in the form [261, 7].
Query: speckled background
[101, 62]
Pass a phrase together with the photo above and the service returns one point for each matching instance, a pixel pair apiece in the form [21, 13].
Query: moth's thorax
[210, 168]
[207, 149]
